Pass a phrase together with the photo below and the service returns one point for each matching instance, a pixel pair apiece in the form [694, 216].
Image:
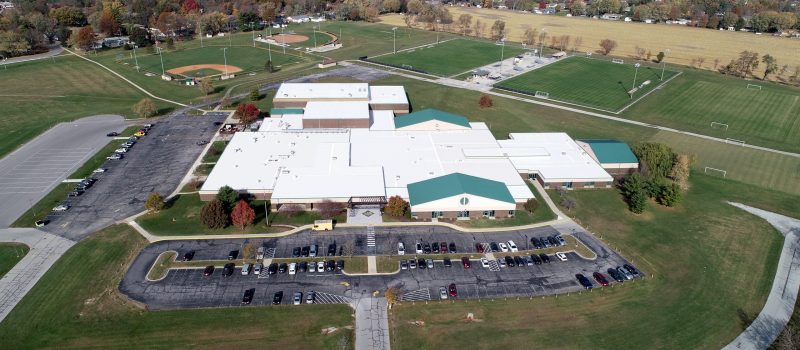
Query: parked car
[545, 258]
[311, 297]
[339, 265]
[546, 242]
[260, 253]
[625, 273]
[292, 268]
[585, 282]
[332, 249]
[312, 267]
[227, 270]
[257, 269]
[403, 264]
[302, 266]
[312, 251]
[61, 207]
[536, 259]
[112, 134]
[321, 266]
[272, 269]
[509, 261]
[453, 290]
[298, 298]
[519, 261]
[304, 251]
[529, 260]
[501, 262]
[99, 170]
[503, 247]
[435, 247]
[248, 296]
[283, 267]
[443, 247]
[484, 262]
[208, 270]
[512, 246]
[412, 264]
[561, 241]
[429, 263]
[452, 248]
[296, 252]
[277, 298]
[330, 265]
[479, 248]
[419, 248]
[631, 269]
[465, 262]
[41, 223]
[561, 256]
[115, 156]
[401, 248]
[422, 264]
[233, 254]
[600, 278]
[442, 293]
[616, 275]
[188, 256]
[537, 244]
[553, 241]
[121, 150]
[447, 262]
[426, 248]
[75, 193]
[494, 247]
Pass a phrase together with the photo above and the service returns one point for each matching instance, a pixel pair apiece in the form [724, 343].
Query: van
[322, 225]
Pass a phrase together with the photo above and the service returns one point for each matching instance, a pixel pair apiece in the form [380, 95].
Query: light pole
[314, 28]
[230, 34]
[253, 31]
[283, 40]
[135, 59]
[664, 64]
[437, 30]
[201, 32]
[5, 65]
[394, 39]
[225, 56]
[161, 56]
[502, 49]
[541, 42]
[636, 72]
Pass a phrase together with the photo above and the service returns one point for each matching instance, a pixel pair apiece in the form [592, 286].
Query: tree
[145, 108]
[396, 207]
[213, 215]
[247, 113]
[170, 42]
[213, 22]
[607, 45]
[770, 63]
[140, 37]
[329, 209]
[531, 205]
[529, 37]
[657, 157]
[634, 193]
[670, 194]
[108, 23]
[190, 6]
[464, 22]
[227, 196]
[269, 67]
[498, 30]
[392, 295]
[254, 95]
[391, 5]
[242, 214]
[680, 170]
[660, 57]
[68, 16]
[154, 202]
[578, 8]
[84, 39]
[206, 86]
[486, 101]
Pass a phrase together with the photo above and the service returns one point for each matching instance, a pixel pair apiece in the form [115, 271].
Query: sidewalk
[372, 324]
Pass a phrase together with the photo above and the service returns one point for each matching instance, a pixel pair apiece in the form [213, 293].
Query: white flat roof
[323, 91]
[387, 95]
[336, 110]
[382, 120]
[283, 122]
[562, 160]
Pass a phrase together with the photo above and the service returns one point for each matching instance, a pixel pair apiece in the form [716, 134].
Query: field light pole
[636, 72]
[161, 56]
[135, 59]
[664, 63]
[502, 49]
[314, 28]
[225, 56]
[253, 31]
[541, 43]
[394, 39]
[283, 40]
[437, 30]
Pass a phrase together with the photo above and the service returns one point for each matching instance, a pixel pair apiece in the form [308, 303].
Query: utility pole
[394, 39]
[225, 55]
[634, 78]
[253, 31]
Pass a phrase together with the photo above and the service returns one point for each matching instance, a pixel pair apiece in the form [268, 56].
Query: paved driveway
[32, 171]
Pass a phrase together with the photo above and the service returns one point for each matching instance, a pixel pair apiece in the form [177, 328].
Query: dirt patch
[289, 38]
[217, 67]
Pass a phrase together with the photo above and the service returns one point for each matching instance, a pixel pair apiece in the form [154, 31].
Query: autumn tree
[84, 39]
[607, 45]
[206, 86]
[770, 65]
[68, 16]
[242, 214]
[498, 30]
[108, 23]
[392, 295]
[529, 36]
[680, 170]
[531, 205]
[329, 209]
[391, 5]
[247, 113]
[213, 215]
[396, 207]
[190, 6]
[154, 202]
[145, 108]
[464, 23]
[486, 101]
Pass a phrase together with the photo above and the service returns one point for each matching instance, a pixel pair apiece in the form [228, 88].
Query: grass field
[596, 83]
[247, 58]
[685, 43]
[10, 255]
[712, 266]
[451, 57]
[77, 305]
[766, 117]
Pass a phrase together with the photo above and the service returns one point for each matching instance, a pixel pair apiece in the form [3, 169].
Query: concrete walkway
[45, 250]
[55, 50]
[372, 324]
[372, 265]
[782, 298]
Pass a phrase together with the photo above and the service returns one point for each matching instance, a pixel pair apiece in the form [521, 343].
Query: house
[116, 41]
[611, 17]
[298, 19]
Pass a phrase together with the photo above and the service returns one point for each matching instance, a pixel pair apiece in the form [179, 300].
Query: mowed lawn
[596, 83]
[35, 96]
[247, 58]
[451, 57]
[767, 117]
[10, 255]
[77, 305]
[711, 267]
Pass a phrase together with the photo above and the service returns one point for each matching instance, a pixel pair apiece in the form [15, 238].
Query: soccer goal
[542, 94]
[718, 125]
[735, 141]
[618, 61]
[716, 171]
[753, 87]
[407, 66]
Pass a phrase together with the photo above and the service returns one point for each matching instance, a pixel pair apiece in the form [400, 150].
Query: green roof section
[275, 111]
[457, 184]
[428, 115]
[611, 151]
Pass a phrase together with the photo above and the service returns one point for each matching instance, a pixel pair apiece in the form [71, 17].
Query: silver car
[442, 293]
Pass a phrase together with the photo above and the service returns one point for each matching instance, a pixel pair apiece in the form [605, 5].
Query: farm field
[64, 311]
[767, 116]
[590, 82]
[706, 44]
[245, 58]
[711, 267]
[449, 58]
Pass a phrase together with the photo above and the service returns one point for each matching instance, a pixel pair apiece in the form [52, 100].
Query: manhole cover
[368, 213]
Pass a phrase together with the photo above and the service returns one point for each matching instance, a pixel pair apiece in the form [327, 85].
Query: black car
[554, 241]
[277, 298]
[435, 247]
[283, 267]
[302, 267]
[227, 270]
[545, 258]
[510, 261]
[248, 296]
[296, 252]
[304, 251]
[75, 193]
[208, 270]
[426, 248]
[631, 269]
[112, 134]
[616, 275]
[341, 251]
[536, 259]
[272, 269]
[493, 246]
[452, 248]
[188, 256]
[332, 249]
[233, 254]
[518, 261]
[585, 282]
[447, 262]
[537, 243]
[339, 264]
[330, 265]
[422, 264]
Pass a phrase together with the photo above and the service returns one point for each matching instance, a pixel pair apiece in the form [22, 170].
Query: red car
[208, 270]
[600, 278]
[444, 247]
[479, 247]
[453, 290]
[465, 262]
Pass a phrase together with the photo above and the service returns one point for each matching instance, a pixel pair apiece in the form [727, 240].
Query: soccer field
[595, 83]
[244, 57]
[450, 57]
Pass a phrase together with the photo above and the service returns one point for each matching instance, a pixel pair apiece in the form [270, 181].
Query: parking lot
[156, 163]
[189, 288]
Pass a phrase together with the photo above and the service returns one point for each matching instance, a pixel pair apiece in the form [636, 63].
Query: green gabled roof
[456, 184]
[611, 151]
[427, 115]
[275, 111]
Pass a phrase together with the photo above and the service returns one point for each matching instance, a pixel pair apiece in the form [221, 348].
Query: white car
[401, 249]
[312, 267]
[99, 170]
[257, 269]
[121, 150]
[484, 262]
[512, 246]
[61, 207]
[310, 296]
[561, 256]
[292, 268]
[298, 298]
[419, 248]
[260, 254]
[503, 247]
[246, 269]
[442, 293]
[321, 266]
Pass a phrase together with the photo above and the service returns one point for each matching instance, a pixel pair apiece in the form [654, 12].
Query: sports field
[769, 116]
[451, 57]
[596, 83]
[245, 58]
